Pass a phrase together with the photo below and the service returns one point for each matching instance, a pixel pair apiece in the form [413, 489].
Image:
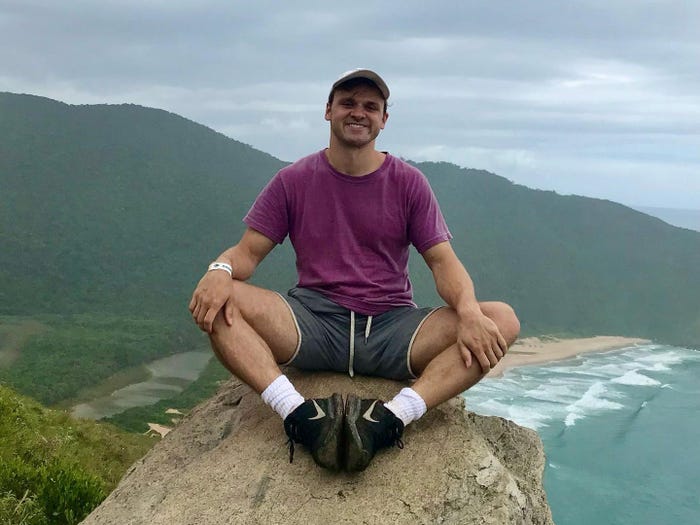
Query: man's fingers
[468, 359]
[497, 351]
[228, 313]
[484, 362]
[195, 312]
[193, 303]
[502, 343]
[493, 355]
[466, 354]
[208, 320]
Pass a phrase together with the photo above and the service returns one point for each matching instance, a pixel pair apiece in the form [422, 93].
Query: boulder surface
[227, 462]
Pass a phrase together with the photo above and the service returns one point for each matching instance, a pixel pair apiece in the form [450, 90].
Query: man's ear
[384, 119]
[328, 111]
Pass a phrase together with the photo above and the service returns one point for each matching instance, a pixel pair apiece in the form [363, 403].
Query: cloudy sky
[597, 98]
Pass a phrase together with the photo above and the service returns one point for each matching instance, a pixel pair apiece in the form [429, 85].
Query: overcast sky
[597, 98]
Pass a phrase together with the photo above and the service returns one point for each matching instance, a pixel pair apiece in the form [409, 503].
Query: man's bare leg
[263, 334]
[437, 361]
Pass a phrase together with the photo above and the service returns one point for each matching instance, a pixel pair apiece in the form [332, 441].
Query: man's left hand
[478, 336]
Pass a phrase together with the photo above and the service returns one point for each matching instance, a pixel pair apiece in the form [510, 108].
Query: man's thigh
[269, 315]
[438, 332]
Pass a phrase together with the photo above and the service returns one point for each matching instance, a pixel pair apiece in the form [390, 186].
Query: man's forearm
[245, 256]
[456, 288]
[452, 280]
[242, 263]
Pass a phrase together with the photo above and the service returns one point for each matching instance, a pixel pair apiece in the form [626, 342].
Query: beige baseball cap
[363, 73]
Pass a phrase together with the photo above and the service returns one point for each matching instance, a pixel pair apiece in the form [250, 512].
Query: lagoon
[168, 377]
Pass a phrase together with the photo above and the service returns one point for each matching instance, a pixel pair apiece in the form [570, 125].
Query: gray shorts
[332, 337]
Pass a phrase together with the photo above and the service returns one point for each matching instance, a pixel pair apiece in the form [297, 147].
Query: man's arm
[477, 335]
[214, 290]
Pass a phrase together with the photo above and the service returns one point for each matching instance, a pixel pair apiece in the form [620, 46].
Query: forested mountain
[118, 209]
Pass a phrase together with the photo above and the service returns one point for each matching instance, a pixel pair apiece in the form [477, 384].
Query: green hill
[113, 208]
[570, 263]
[118, 209]
[55, 469]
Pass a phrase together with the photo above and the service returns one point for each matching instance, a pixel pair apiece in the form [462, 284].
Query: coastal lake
[167, 377]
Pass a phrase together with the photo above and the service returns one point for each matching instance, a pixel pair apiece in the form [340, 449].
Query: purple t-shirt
[351, 235]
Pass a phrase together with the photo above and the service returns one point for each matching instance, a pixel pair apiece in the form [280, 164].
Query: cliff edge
[227, 463]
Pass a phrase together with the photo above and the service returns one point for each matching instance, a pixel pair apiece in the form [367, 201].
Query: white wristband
[216, 265]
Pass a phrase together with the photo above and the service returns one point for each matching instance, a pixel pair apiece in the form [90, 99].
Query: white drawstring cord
[368, 327]
[352, 344]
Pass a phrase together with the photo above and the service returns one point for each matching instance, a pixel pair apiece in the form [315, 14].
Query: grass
[73, 353]
[60, 465]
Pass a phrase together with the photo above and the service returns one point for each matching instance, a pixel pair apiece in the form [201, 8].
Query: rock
[227, 462]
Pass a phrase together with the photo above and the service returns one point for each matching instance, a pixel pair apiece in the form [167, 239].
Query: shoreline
[545, 349]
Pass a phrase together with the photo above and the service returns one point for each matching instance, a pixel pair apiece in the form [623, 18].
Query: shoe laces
[296, 434]
[391, 435]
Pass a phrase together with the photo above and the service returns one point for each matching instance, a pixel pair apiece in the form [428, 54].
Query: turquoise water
[621, 431]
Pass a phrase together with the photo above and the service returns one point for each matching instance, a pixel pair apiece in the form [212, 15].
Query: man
[351, 213]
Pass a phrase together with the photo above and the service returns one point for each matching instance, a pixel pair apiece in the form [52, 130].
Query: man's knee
[221, 325]
[505, 318]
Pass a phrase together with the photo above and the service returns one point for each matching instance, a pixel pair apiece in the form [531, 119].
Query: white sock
[407, 405]
[282, 397]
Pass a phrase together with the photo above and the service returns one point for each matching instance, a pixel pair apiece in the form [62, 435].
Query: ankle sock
[282, 397]
[407, 405]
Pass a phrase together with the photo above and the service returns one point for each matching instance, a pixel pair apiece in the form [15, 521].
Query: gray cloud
[597, 98]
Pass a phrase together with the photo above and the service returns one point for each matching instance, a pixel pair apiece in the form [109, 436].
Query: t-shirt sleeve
[427, 226]
[268, 215]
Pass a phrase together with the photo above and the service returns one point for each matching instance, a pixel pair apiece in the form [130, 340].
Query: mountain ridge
[135, 201]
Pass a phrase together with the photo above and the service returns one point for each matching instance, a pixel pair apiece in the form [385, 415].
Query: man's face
[356, 115]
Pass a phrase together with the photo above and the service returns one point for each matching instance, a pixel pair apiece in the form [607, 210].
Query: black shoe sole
[327, 453]
[356, 457]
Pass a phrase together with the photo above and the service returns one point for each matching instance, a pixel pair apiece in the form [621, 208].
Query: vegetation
[109, 214]
[71, 353]
[135, 202]
[54, 469]
[571, 264]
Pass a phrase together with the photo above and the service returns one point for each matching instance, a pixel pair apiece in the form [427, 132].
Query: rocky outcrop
[227, 462]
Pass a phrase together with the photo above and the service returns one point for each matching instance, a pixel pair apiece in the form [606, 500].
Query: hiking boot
[369, 426]
[317, 424]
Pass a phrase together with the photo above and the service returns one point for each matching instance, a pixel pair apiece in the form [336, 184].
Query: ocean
[621, 432]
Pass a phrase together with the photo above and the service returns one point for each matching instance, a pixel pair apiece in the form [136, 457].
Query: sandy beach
[536, 350]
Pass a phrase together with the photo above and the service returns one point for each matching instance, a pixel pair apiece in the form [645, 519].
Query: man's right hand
[213, 293]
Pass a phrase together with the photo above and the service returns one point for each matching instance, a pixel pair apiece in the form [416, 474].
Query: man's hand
[479, 336]
[213, 292]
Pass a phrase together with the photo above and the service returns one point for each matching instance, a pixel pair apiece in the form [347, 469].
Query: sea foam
[565, 392]
[634, 378]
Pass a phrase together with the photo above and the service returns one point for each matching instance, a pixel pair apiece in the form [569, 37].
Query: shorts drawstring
[352, 344]
[368, 327]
